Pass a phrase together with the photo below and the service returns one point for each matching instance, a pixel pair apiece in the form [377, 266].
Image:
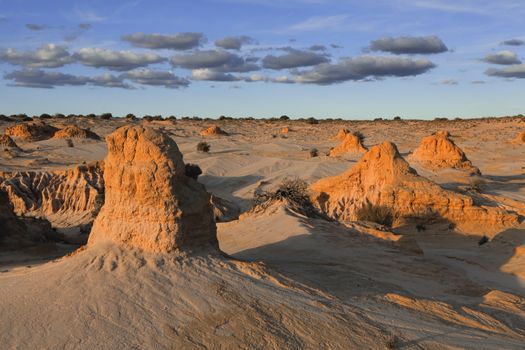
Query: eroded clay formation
[150, 203]
[383, 178]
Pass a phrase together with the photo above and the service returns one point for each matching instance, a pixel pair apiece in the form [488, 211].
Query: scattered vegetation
[203, 147]
[284, 117]
[359, 135]
[475, 185]
[69, 143]
[292, 191]
[376, 213]
[192, 170]
[420, 227]
[392, 342]
[312, 121]
[397, 118]
[483, 240]
[314, 152]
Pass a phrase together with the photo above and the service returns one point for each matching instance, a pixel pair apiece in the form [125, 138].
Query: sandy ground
[451, 294]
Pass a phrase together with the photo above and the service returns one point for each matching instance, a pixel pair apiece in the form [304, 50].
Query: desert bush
[312, 121]
[192, 170]
[483, 240]
[397, 118]
[376, 213]
[45, 116]
[284, 117]
[203, 147]
[131, 116]
[360, 136]
[69, 143]
[392, 342]
[475, 185]
[440, 119]
[292, 191]
[106, 116]
[314, 152]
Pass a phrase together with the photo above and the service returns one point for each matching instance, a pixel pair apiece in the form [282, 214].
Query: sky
[347, 59]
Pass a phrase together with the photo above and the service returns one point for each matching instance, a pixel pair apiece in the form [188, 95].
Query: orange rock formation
[383, 178]
[351, 144]
[150, 203]
[31, 131]
[73, 131]
[213, 131]
[439, 151]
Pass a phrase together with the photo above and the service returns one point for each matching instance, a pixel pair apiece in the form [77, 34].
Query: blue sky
[262, 58]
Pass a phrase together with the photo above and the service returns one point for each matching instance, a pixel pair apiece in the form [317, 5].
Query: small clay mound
[73, 131]
[382, 179]
[520, 138]
[214, 131]
[341, 134]
[150, 203]
[439, 151]
[31, 131]
[7, 142]
[351, 144]
[285, 130]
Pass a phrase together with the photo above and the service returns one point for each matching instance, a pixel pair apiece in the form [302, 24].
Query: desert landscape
[132, 233]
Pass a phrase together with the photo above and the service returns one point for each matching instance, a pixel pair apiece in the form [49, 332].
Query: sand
[299, 282]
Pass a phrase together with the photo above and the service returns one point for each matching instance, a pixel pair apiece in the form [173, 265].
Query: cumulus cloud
[115, 60]
[502, 57]
[513, 42]
[212, 75]
[37, 78]
[179, 41]
[35, 27]
[409, 45]
[47, 56]
[294, 59]
[233, 42]
[363, 68]
[515, 71]
[156, 78]
[220, 60]
[110, 80]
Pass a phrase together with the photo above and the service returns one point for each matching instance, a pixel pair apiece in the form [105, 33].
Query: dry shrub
[292, 191]
[376, 213]
[203, 147]
[314, 153]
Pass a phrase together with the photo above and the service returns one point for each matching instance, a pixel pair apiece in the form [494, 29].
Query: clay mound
[73, 131]
[285, 130]
[65, 198]
[150, 203]
[520, 138]
[31, 131]
[214, 131]
[351, 144]
[383, 179]
[341, 134]
[7, 142]
[439, 151]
